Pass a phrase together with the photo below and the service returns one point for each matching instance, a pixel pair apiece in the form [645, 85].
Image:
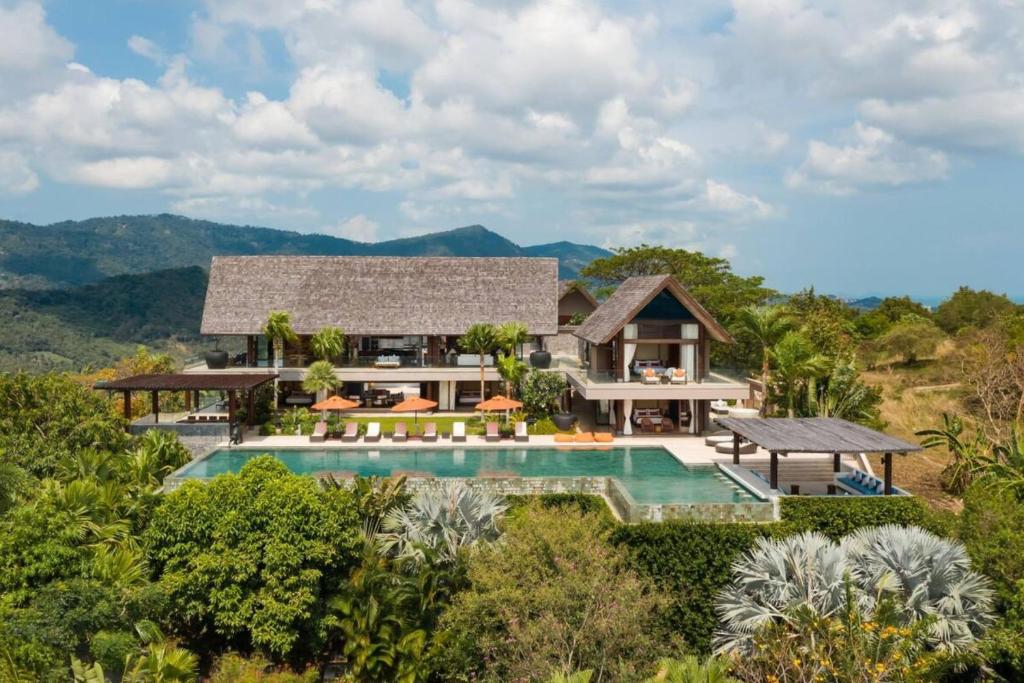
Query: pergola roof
[814, 435]
[208, 381]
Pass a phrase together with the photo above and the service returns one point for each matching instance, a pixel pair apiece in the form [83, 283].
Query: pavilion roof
[814, 435]
[188, 381]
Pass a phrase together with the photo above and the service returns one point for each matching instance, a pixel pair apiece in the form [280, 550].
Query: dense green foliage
[972, 308]
[542, 393]
[248, 559]
[839, 516]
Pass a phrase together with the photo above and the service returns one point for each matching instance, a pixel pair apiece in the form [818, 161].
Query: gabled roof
[630, 298]
[814, 435]
[381, 295]
[567, 286]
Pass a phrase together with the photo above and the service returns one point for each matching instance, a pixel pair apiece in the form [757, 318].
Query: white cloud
[871, 157]
[125, 172]
[721, 198]
[358, 228]
[16, 177]
[144, 47]
[32, 54]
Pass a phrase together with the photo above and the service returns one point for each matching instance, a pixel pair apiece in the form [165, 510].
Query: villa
[639, 361]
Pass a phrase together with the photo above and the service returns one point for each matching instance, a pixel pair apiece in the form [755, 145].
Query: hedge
[838, 516]
[584, 503]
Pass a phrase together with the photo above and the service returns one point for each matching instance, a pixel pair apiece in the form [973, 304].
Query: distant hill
[96, 324]
[866, 304]
[74, 253]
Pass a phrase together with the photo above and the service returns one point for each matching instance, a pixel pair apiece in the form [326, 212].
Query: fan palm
[481, 339]
[796, 362]
[444, 520]
[690, 669]
[512, 335]
[766, 325]
[320, 378]
[327, 343]
[278, 329]
[930, 575]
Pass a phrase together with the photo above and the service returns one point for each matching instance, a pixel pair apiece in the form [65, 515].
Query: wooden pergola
[191, 383]
[786, 435]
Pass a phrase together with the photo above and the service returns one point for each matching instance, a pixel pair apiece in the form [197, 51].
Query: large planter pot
[564, 421]
[216, 360]
[540, 359]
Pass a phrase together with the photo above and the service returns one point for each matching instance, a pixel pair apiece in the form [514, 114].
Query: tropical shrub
[542, 393]
[543, 426]
[443, 520]
[927, 577]
[234, 668]
[691, 669]
[913, 337]
[327, 343]
[248, 559]
[797, 362]
[837, 516]
[553, 595]
[967, 455]
[320, 377]
[581, 503]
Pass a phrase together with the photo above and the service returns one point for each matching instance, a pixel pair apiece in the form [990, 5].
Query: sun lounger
[430, 432]
[459, 431]
[492, 432]
[521, 434]
[372, 432]
[564, 438]
[603, 437]
[351, 432]
[401, 433]
[585, 437]
[319, 432]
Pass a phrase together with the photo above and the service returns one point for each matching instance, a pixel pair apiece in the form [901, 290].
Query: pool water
[650, 474]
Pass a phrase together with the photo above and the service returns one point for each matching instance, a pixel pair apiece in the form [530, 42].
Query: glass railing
[610, 377]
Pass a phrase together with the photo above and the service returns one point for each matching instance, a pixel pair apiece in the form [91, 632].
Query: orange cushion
[563, 438]
[680, 373]
[649, 372]
[603, 437]
[585, 437]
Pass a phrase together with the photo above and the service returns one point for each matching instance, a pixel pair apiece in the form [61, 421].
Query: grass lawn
[444, 424]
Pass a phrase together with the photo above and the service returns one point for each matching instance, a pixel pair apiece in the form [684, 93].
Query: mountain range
[80, 294]
[73, 253]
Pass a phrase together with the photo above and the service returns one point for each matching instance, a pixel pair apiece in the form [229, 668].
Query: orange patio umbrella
[334, 403]
[414, 405]
[499, 403]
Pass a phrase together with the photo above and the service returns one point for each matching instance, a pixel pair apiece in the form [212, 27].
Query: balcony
[604, 384]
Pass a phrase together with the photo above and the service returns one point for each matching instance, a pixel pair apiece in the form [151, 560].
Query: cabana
[230, 383]
[784, 436]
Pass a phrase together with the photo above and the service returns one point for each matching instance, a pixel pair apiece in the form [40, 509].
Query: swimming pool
[651, 475]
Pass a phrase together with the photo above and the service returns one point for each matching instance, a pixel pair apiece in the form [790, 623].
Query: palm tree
[327, 343]
[929, 576]
[481, 339]
[796, 362]
[320, 378]
[766, 325]
[512, 335]
[690, 669]
[278, 329]
[512, 370]
[163, 663]
[443, 520]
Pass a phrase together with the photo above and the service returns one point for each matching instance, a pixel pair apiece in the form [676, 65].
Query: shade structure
[498, 403]
[414, 405]
[335, 403]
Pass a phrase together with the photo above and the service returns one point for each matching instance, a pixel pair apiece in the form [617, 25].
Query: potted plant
[216, 359]
[540, 359]
[564, 421]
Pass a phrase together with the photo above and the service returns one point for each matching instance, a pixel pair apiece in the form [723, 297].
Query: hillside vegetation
[73, 253]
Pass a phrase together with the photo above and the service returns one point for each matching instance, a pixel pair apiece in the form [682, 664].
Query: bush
[249, 558]
[542, 427]
[552, 596]
[582, 503]
[233, 668]
[110, 648]
[837, 516]
[268, 429]
[690, 562]
[542, 392]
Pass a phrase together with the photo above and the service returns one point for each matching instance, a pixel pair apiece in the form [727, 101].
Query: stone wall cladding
[565, 343]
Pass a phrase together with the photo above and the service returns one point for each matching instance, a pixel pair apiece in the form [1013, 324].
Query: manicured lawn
[444, 424]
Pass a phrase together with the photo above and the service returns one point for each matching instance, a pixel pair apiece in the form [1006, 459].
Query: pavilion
[191, 383]
[785, 436]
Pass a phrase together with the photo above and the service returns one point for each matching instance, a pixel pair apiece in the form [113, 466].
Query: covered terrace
[234, 385]
[821, 435]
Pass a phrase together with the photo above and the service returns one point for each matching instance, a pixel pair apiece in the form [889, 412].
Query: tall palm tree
[512, 335]
[766, 325]
[320, 378]
[327, 343]
[796, 362]
[481, 339]
[512, 370]
[278, 329]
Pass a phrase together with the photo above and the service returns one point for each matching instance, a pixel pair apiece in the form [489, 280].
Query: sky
[858, 146]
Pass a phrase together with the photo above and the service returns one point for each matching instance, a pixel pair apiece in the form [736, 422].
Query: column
[127, 408]
[887, 461]
[627, 413]
[735, 448]
[836, 462]
[231, 407]
[156, 406]
[774, 472]
[250, 418]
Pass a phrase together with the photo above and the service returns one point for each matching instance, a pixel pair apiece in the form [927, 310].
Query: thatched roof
[381, 295]
[567, 286]
[814, 435]
[630, 298]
